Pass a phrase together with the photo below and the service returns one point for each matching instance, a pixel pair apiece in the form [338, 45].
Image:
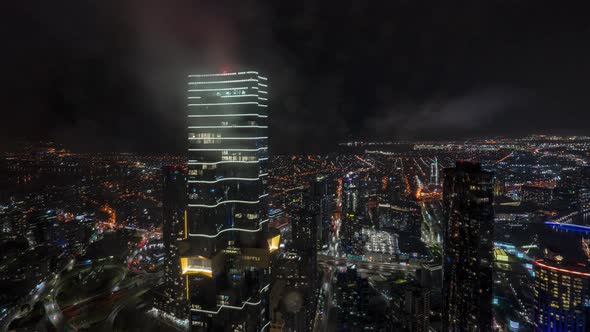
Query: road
[124, 289]
[52, 309]
[33, 297]
[376, 267]
[326, 294]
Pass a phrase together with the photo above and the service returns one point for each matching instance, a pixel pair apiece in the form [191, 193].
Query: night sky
[110, 75]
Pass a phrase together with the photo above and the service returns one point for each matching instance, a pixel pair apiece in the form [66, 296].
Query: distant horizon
[18, 144]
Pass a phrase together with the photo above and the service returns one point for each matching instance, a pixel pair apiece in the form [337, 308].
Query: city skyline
[319, 166]
[358, 238]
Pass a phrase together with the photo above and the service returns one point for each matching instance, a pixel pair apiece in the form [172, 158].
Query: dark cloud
[450, 117]
[110, 75]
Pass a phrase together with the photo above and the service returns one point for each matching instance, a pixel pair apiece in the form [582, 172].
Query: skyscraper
[170, 299]
[468, 248]
[309, 213]
[562, 279]
[410, 305]
[561, 296]
[225, 260]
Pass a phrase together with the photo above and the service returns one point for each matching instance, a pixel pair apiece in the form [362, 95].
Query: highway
[376, 267]
[55, 313]
[33, 297]
[124, 290]
[326, 293]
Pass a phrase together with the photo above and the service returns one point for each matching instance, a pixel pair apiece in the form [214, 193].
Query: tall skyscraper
[411, 306]
[309, 213]
[170, 298]
[468, 248]
[310, 216]
[225, 261]
[323, 202]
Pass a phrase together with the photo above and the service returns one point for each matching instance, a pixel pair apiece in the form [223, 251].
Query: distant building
[430, 275]
[171, 297]
[352, 292]
[353, 216]
[225, 258]
[499, 188]
[358, 306]
[293, 296]
[322, 206]
[540, 196]
[403, 215]
[310, 226]
[562, 295]
[411, 306]
[310, 218]
[584, 200]
[468, 248]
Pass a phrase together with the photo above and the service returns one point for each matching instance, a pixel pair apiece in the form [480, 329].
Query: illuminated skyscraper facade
[562, 298]
[225, 259]
[468, 248]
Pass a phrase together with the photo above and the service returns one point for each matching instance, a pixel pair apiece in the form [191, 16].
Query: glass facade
[225, 260]
[562, 300]
[170, 299]
[468, 248]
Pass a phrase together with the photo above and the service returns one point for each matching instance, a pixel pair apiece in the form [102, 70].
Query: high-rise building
[359, 306]
[351, 292]
[404, 215]
[294, 302]
[310, 214]
[225, 262]
[170, 298]
[468, 248]
[562, 296]
[353, 216]
[410, 303]
[322, 203]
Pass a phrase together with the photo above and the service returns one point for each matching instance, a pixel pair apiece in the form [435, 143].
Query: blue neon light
[569, 227]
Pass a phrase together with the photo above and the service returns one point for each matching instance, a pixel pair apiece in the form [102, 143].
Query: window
[236, 156]
[205, 138]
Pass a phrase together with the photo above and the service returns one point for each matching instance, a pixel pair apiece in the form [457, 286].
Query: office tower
[322, 203]
[293, 301]
[468, 248]
[225, 261]
[404, 215]
[310, 214]
[434, 172]
[170, 298]
[352, 217]
[418, 309]
[410, 305]
[310, 220]
[351, 295]
[360, 307]
[561, 295]
[305, 227]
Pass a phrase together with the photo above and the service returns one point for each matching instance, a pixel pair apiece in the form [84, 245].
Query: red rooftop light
[538, 262]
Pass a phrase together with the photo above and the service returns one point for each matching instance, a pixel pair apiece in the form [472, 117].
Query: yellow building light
[273, 243]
